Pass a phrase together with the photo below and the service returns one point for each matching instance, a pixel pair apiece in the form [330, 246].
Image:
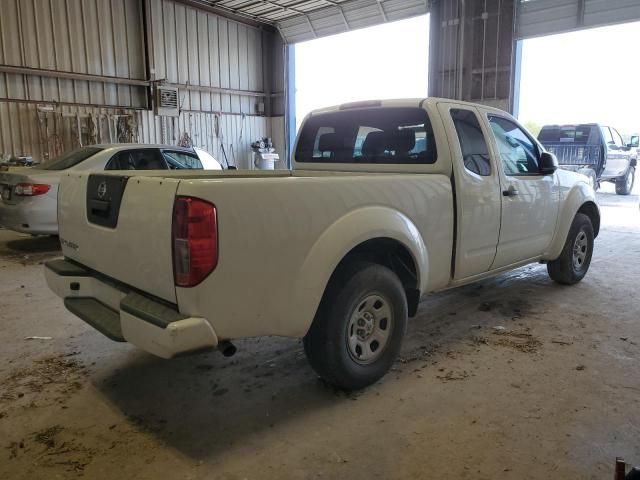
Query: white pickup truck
[387, 202]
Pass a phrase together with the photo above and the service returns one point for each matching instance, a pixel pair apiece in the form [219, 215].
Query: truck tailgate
[120, 226]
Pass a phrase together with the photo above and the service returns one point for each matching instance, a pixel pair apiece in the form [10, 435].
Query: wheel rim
[630, 180]
[369, 329]
[580, 247]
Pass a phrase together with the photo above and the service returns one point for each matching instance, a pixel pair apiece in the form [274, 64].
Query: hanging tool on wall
[185, 140]
[233, 152]
[218, 132]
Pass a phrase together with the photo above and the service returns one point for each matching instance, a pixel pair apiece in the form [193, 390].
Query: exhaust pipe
[227, 348]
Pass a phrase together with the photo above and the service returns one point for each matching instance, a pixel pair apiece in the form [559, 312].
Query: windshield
[70, 159]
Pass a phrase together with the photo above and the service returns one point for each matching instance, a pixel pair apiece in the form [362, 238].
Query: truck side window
[608, 138]
[519, 154]
[617, 138]
[475, 154]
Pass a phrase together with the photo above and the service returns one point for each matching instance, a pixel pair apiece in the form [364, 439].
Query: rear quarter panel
[281, 238]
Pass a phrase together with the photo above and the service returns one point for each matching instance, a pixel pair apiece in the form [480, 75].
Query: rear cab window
[385, 135]
[572, 134]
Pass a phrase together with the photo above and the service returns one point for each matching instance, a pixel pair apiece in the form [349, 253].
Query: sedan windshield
[69, 159]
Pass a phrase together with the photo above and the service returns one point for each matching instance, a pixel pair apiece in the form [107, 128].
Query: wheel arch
[580, 199]
[591, 210]
[378, 234]
[392, 254]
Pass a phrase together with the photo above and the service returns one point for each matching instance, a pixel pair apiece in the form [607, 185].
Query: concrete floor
[555, 394]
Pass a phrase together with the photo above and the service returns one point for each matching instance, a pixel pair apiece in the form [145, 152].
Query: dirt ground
[511, 378]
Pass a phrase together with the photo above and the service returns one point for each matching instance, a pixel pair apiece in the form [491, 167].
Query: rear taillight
[195, 240]
[30, 189]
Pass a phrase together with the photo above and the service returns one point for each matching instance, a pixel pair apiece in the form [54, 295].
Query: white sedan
[29, 195]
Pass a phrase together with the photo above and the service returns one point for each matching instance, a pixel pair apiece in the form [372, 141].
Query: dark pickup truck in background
[594, 150]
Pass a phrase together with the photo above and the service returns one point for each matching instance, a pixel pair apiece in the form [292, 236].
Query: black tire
[329, 342]
[624, 184]
[567, 269]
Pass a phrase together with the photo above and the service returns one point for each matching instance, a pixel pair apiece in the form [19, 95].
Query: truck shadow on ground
[30, 250]
[204, 405]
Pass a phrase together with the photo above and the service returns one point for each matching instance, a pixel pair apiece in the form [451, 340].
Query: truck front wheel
[358, 329]
[624, 184]
[572, 264]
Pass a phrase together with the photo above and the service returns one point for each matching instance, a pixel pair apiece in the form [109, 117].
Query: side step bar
[98, 315]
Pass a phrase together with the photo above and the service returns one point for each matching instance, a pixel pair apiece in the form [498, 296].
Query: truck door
[477, 190]
[529, 199]
[618, 154]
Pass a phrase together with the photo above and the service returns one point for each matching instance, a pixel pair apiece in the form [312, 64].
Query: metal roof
[299, 20]
[548, 17]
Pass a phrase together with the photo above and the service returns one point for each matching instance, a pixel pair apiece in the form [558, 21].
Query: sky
[386, 61]
[587, 76]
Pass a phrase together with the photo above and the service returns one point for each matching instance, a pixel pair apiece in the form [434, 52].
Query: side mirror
[548, 163]
[635, 141]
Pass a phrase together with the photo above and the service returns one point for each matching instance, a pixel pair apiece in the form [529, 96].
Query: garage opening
[381, 62]
[572, 80]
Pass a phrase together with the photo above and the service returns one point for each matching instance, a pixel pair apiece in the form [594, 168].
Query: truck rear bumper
[123, 314]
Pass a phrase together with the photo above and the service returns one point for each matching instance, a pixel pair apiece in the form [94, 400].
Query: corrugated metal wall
[32, 131]
[471, 51]
[197, 48]
[226, 137]
[218, 64]
[95, 37]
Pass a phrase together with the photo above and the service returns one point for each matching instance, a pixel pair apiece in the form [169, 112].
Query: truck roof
[399, 102]
[570, 125]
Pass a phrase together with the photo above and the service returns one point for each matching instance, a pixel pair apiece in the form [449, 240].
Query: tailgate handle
[99, 207]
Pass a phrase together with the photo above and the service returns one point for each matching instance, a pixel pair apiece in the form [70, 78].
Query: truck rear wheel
[358, 329]
[572, 264]
[624, 184]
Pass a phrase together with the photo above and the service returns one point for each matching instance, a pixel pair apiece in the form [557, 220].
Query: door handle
[510, 192]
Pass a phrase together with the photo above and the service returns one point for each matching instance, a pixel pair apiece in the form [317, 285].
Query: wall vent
[167, 101]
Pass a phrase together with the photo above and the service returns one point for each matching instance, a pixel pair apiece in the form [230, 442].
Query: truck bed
[276, 220]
